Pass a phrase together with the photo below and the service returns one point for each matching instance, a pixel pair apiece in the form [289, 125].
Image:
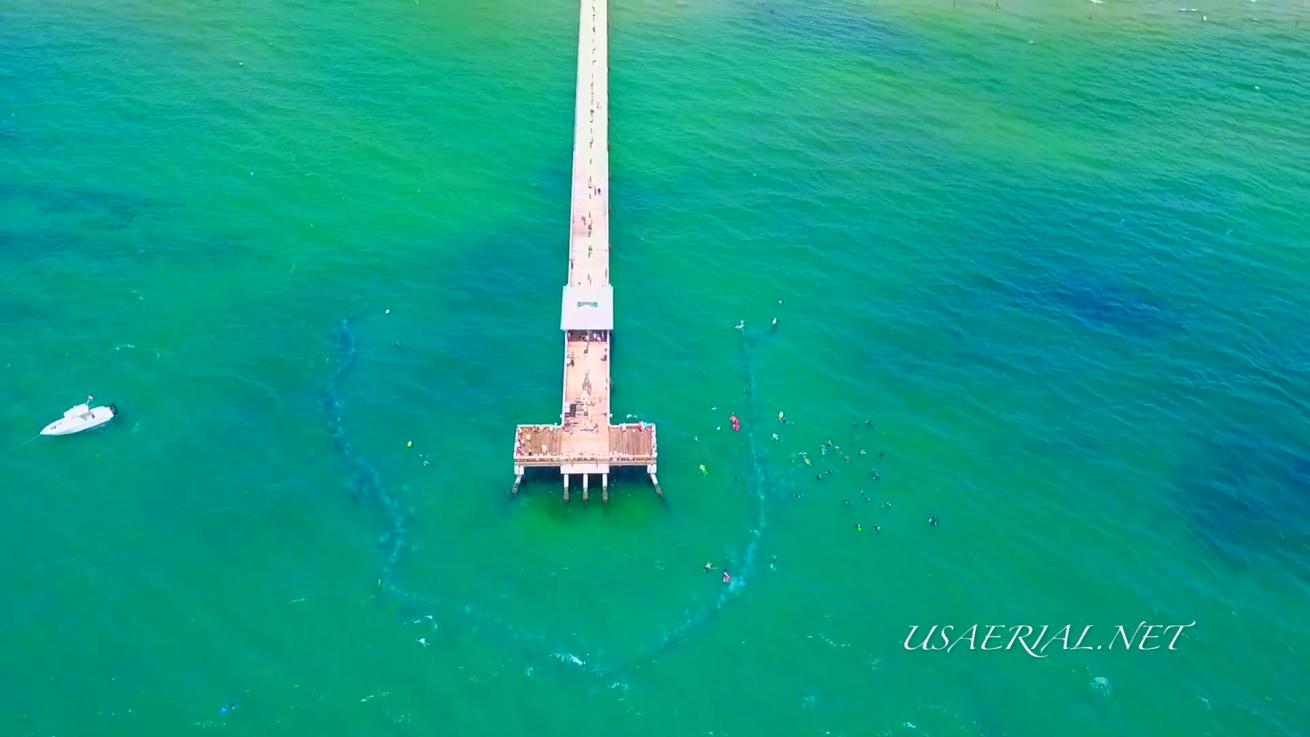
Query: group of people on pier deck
[535, 440]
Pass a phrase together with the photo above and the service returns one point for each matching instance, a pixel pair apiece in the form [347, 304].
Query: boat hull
[79, 423]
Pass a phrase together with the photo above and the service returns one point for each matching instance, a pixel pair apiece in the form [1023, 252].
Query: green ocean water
[1056, 254]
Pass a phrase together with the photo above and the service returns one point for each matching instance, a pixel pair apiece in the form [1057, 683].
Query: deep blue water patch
[113, 208]
[851, 30]
[1092, 300]
[1246, 493]
[1096, 301]
[51, 244]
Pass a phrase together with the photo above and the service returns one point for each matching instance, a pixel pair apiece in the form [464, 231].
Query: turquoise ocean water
[1057, 254]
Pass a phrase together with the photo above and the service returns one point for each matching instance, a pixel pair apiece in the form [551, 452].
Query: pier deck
[586, 442]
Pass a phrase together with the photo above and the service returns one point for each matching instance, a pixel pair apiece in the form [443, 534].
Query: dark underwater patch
[113, 208]
[850, 30]
[1105, 304]
[96, 225]
[1247, 496]
[1090, 300]
[66, 215]
[49, 242]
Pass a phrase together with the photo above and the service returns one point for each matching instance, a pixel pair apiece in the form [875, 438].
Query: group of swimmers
[727, 577]
[821, 475]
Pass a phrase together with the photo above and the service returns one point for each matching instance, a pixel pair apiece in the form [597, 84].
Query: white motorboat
[79, 418]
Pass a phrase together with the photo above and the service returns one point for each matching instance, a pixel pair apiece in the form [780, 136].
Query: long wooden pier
[585, 442]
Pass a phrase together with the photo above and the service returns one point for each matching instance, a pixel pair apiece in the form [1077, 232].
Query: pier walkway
[586, 443]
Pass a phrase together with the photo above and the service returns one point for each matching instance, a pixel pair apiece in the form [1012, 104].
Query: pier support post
[518, 479]
[566, 487]
[586, 478]
[656, 482]
[605, 488]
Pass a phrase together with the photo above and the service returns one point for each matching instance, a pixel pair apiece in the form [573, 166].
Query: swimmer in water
[741, 325]
[859, 527]
[709, 566]
[932, 520]
[727, 577]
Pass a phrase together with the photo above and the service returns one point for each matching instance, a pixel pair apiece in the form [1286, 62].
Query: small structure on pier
[585, 443]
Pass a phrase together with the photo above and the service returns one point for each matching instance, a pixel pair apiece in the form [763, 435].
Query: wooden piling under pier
[585, 442]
